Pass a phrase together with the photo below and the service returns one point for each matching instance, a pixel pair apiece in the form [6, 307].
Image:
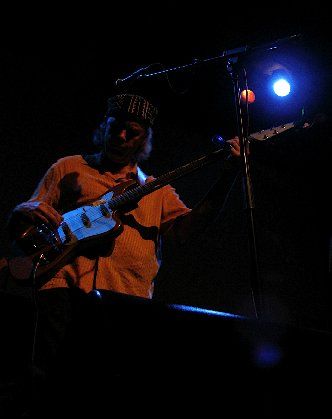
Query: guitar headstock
[268, 133]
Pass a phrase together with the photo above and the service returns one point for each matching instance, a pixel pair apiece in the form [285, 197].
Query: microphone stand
[242, 117]
[243, 133]
[143, 72]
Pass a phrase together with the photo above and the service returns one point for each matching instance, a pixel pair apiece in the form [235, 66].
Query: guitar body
[49, 250]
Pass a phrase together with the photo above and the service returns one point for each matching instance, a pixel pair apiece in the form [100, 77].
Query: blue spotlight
[281, 87]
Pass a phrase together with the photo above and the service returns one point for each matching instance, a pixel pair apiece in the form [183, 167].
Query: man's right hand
[37, 212]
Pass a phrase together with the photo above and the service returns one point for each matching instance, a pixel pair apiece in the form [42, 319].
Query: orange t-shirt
[132, 264]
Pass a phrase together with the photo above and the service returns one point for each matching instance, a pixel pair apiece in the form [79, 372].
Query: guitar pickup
[105, 212]
[85, 220]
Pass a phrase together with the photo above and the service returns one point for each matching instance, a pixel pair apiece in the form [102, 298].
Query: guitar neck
[138, 192]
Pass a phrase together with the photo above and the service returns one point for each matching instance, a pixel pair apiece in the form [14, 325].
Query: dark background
[57, 72]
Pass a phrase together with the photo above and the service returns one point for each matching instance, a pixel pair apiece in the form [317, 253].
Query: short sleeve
[173, 206]
[48, 188]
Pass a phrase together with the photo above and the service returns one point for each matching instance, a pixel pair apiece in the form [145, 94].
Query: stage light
[284, 82]
[281, 87]
[247, 95]
[280, 81]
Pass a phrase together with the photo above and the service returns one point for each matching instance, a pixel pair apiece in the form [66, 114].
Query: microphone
[131, 77]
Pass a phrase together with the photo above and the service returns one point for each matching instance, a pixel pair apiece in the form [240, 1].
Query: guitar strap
[93, 161]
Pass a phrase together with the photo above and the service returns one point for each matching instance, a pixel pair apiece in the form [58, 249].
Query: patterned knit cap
[132, 106]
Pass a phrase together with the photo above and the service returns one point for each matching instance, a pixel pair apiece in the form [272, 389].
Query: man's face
[123, 139]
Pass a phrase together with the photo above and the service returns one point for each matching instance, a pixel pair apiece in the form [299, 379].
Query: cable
[35, 304]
